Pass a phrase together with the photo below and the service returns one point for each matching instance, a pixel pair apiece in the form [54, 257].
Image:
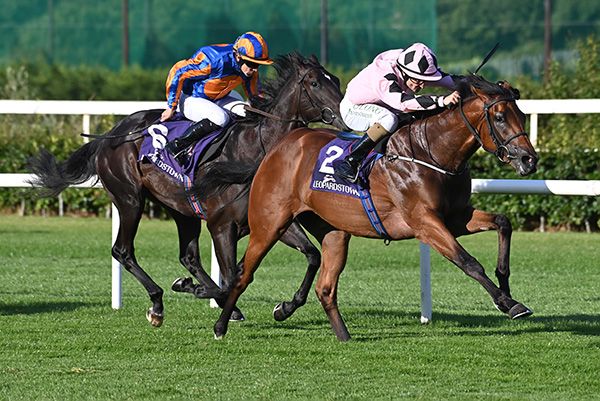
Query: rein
[327, 116]
[502, 152]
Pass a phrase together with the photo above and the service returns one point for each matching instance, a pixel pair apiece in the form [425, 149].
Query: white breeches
[360, 117]
[197, 108]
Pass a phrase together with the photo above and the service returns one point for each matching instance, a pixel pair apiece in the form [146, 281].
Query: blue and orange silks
[211, 73]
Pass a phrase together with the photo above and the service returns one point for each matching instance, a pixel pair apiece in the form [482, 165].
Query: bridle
[326, 116]
[502, 152]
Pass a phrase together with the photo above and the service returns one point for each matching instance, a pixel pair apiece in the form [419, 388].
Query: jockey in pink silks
[383, 89]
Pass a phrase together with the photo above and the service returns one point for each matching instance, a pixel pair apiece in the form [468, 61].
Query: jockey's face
[415, 85]
[247, 67]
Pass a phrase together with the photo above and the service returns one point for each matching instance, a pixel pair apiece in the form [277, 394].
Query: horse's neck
[270, 130]
[442, 140]
[252, 142]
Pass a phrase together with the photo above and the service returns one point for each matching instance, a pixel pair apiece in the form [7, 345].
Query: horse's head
[318, 91]
[500, 126]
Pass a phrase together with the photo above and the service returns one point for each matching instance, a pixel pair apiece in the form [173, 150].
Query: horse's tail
[220, 175]
[53, 176]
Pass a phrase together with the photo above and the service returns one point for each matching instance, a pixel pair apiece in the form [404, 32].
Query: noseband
[502, 152]
[326, 116]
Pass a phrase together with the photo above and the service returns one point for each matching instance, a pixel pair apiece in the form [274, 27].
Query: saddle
[206, 149]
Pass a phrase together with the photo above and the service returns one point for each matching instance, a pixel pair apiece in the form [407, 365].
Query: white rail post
[116, 266]
[425, 262]
[86, 127]
[215, 272]
[533, 128]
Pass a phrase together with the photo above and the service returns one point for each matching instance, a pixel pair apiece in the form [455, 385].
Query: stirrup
[344, 169]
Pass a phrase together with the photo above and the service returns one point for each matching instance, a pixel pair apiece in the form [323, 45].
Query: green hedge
[535, 211]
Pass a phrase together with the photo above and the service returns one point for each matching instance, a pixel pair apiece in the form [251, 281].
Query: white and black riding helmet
[419, 62]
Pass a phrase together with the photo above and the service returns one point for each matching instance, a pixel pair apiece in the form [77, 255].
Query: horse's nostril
[528, 160]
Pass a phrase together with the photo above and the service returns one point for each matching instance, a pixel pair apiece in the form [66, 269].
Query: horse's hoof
[181, 283]
[518, 311]
[220, 330]
[237, 316]
[278, 313]
[155, 319]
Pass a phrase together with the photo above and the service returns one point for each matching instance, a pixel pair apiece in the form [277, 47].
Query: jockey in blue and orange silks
[202, 87]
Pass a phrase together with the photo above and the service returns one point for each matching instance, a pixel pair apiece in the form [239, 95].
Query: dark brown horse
[421, 189]
[302, 92]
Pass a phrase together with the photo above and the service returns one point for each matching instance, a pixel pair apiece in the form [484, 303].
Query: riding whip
[487, 57]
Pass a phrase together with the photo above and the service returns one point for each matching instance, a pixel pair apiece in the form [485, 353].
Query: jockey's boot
[195, 132]
[348, 168]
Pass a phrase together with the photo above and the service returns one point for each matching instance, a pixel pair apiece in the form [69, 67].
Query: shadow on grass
[390, 324]
[35, 308]
[489, 325]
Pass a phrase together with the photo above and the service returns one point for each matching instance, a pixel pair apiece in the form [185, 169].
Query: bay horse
[302, 92]
[420, 188]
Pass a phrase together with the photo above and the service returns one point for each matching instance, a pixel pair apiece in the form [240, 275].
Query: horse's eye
[314, 83]
[499, 117]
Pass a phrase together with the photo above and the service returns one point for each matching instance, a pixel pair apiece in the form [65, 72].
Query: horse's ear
[314, 59]
[513, 91]
[480, 93]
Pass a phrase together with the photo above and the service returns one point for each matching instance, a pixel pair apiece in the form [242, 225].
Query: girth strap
[367, 203]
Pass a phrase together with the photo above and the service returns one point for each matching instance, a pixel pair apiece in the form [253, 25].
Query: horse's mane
[465, 85]
[500, 88]
[286, 68]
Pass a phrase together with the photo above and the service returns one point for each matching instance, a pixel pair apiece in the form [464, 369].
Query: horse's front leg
[475, 221]
[432, 231]
[296, 238]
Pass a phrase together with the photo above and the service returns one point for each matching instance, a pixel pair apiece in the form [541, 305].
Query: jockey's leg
[348, 167]
[376, 120]
[233, 102]
[209, 117]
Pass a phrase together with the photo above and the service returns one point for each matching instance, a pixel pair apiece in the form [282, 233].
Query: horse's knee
[503, 223]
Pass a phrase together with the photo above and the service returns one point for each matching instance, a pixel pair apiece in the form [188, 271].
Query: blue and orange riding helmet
[252, 47]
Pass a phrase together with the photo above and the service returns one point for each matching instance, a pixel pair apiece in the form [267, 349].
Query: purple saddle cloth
[323, 178]
[156, 137]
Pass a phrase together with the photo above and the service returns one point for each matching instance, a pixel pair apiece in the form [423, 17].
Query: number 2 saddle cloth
[323, 178]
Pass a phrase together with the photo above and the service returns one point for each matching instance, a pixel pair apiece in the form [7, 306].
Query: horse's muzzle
[524, 163]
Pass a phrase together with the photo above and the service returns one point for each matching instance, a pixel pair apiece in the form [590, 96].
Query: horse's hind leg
[296, 238]
[262, 239]
[188, 229]
[130, 213]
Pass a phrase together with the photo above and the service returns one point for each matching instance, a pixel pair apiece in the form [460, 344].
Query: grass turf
[60, 339]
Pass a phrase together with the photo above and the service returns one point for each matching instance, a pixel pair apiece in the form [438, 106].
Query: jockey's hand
[452, 99]
[167, 114]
